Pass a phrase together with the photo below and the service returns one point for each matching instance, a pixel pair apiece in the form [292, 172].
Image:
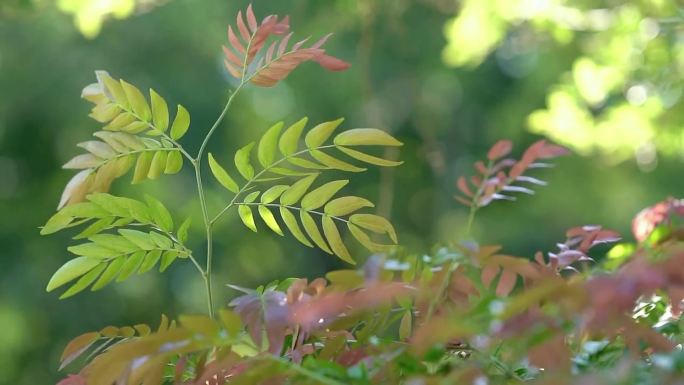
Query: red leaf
[246, 36]
[463, 201]
[489, 273]
[251, 19]
[73, 379]
[506, 283]
[463, 186]
[500, 149]
[331, 63]
[78, 346]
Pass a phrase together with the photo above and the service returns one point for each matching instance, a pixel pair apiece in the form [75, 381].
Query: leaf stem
[245, 187]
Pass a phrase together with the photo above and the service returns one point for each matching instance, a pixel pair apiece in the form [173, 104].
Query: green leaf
[137, 101]
[289, 172]
[247, 217]
[131, 265]
[346, 205]
[84, 281]
[142, 167]
[161, 240]
[374, 223]
[174, 162]
[273, 193]
[167, 259]
[366, 137]
[72, 270]
[160, 111]
[335, 163]
[313, 232]
[319, 134]
[157, 165]
[92, 250]
[269, 219]
[109, 274]
[180, 124]
[335, 240]
[136, 127]
[95, 228]
[405, 325]
[160, 214]
[369, 158]
[222, 175]
[267, 145]
[289, 141]
[292, 225]
[56, 223]
[142, 240]
[117, 243]
[322, 195]
[251, 197]
[305, 163]
[149, 261]
[182, 233]
[242, 162]
[297, 190]
[121, 121]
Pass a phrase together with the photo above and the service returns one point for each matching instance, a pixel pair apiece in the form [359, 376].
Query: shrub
[463, 313]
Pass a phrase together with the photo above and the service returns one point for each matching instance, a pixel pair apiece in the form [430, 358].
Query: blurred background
[447, 77]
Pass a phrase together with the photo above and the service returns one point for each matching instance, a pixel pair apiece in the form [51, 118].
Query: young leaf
[292, 225]
[160, 111]
[346, 205]
[500, 149]
[157, 165]
[365, 137]
[222, 175]
[322, 195]
[174, 162]
[313, 232]
[334, 163]
[131, 265]
[289, 141]
[319, 134]
[109, 274]
[180, 124]
[142, 166]
[335, 240]
[273, 193]
[268, 143]
[297, 190]
[247, 217]
[76, 347]
[374, 223]
[84, 281]
[269, 219]
[72, 270]
[182, 232]
[142, 240]
[160, 214]
[242, 162]
[137, 101]
[369, 158]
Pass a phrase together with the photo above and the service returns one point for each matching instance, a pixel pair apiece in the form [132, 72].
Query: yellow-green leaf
[137, 101]
[405, 325]
[114, 89]
[346, 205]
[292, 225]
[369, 158]
[84, 281]
[312, 230]
[158, 164]
[267, 145]
[180, 124]
[289, 141]
[247, 217]
[374, 223]
[160, 214]
[222, 175]
[72, 270]
[121, 121]
[242, 162]
[335, 163]
[160, 111]
[109, 274]
[142, 166]
[305, 163]
[131, 265]
[174, 162]
[322, 194]
[149, 261]
[319, 134]
[273, 193]
[141, 239]
[335, 240]
[269, 219]
[365, 240]
[366, 137]
[297, 190]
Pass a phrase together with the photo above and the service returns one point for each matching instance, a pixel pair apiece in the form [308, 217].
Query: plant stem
[197, 164]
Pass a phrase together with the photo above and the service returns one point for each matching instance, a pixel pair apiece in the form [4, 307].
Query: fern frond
[277, 61]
